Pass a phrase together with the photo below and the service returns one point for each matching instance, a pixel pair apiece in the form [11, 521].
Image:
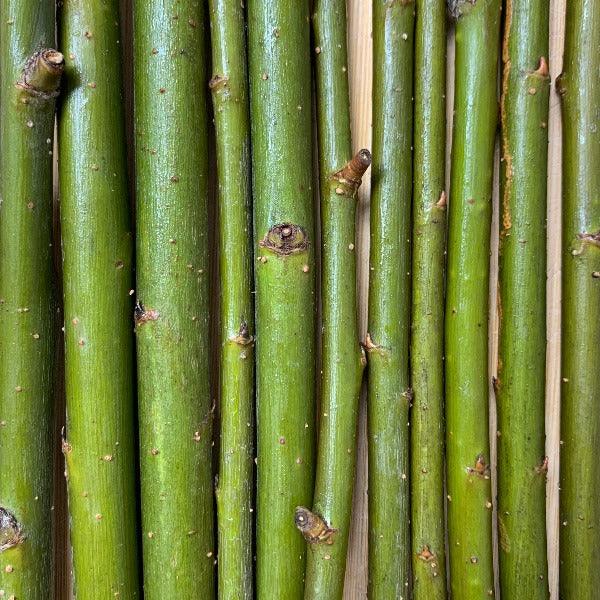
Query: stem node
[143, 315]
[218, 82]
[285, 239]
[542, 70]
[442, 203]
[481, 468]
[11, 532]
[42, 73]
[353, 171]
[313, 527]
[426, 554]
[243, 337]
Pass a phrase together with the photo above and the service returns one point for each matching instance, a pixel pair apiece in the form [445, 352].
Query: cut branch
[28, 307]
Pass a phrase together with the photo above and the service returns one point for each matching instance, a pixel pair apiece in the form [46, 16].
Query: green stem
[427, 351]
[467, 379]
[172, 328]
[579, 87]
[342, 358]
[342, 369]
[520, 387]
[285, 286]
[29, 80]
[97, 249]
[389, 300]
[236, 468]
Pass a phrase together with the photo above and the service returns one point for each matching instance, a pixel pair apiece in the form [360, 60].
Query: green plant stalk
[236, 467]
[172, 314]
[520, 386]
[29, 80]
[389, 300]
[579, 87]
[280, 94]
[97, 256]
[327, 528]
[467, 300]
[427, 340]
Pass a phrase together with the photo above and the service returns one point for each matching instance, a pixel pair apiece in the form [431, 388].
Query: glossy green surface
[427, 333]
[175, 408]
[389, 300]
[236, 467]
[520, 386]
[97, 248]
[579, 86]
[280, 93]
[27, 302]
[467, 378]
[342, 358]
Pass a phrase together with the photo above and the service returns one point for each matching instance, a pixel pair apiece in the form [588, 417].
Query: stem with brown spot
[467, 300]
[172, 330]
[285, 287]
[342, 358]
[29, 81]
[389, 300]
[97, 269]
[229, 86]
[579, 87]
[520, 386]
[427, 347]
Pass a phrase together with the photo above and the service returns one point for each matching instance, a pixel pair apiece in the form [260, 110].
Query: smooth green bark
[97, 257]
[342, 358]
[467, 300]
[520, 386]
[285, 285]
[29, 80]
[427, 330]
[172, 316]
[579, 86]
[236, 467]
[389, 300]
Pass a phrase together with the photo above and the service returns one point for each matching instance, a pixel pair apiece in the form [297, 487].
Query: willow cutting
[389, 300]
[467, 301]
[29, 85]
[579, 88]
[284, 246]
[520, 386]
[428, 258]
[97, 267]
